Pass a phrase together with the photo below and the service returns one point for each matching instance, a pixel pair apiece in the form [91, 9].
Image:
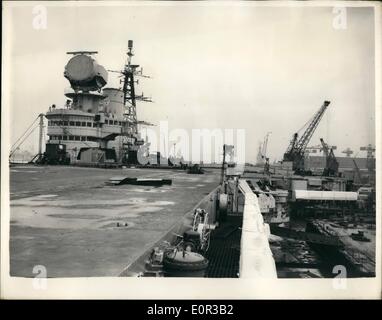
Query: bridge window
[89, 124]
[83, 138]
[71, 138]
[78, 124]
[77, 138]
[71, 123]
[83, 124]
[65, 123]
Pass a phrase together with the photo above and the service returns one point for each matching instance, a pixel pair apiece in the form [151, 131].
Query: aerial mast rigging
[130, 98]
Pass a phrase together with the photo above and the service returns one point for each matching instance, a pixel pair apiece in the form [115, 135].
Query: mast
[131, 138]
[223, 166]
[129, 89]
[130, 97]
[41, 135]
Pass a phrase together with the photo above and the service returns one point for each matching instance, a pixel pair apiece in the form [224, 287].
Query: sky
[261, 69]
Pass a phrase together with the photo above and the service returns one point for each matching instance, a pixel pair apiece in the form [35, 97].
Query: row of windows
[83, 123]
[73, 138]
[72, 123]
[114, 122]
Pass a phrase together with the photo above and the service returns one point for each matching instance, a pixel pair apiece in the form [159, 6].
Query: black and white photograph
[221, 142]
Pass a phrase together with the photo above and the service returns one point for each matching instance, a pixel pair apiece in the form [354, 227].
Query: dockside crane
[331, 168]
[348, 152]
[313, 149]
[264, 153]
[265, 145]
[370, 162]
[358, 173]
[296, 148]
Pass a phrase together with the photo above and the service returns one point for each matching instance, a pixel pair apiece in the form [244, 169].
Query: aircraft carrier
[88, 205]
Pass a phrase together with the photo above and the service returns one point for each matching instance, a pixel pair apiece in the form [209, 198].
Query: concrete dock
[70, 221]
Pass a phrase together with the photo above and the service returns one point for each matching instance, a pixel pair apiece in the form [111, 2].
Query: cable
[310, 120]
[24, 133]
[14, 150]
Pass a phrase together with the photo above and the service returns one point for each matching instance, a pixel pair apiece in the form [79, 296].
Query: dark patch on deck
[224, 251]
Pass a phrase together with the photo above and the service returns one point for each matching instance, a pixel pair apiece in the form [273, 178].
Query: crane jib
[305, 138]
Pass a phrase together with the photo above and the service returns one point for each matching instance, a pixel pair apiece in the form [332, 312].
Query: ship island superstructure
[97, 124]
